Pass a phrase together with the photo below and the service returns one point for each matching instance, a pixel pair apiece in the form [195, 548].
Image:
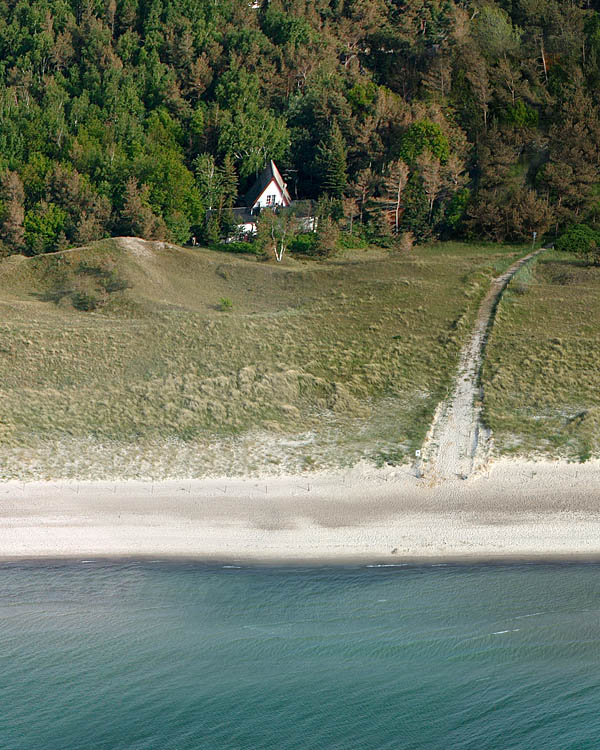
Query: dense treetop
[449, 116]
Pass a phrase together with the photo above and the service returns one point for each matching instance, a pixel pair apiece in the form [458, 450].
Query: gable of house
[268, 190]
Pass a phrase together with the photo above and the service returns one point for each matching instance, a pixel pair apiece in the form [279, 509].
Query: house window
[271, 200]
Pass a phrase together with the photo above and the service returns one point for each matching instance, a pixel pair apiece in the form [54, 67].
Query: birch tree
[394, 182]
[208, 180]
[363, 189]
[430, 170]
[275, 231]
[350, 210]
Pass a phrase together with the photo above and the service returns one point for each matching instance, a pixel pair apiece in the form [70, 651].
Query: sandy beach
[519, 510]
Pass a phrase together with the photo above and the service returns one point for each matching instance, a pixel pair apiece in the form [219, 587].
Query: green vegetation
[581, 240]
[542, 369]
[315, 364]
[403, 123]
[439, 118]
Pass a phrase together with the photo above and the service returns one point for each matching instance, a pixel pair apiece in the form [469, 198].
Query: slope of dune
[119, 359]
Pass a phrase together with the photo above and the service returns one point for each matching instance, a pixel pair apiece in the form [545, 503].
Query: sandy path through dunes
[456, 444]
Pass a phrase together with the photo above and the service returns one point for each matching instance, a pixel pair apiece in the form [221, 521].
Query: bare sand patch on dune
[457, 443]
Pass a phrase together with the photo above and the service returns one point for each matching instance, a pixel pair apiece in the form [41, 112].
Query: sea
[155, 654]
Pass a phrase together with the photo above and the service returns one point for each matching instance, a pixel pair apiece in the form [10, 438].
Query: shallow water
[174, 655]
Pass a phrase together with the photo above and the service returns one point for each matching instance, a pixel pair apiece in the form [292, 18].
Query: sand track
[457, 444]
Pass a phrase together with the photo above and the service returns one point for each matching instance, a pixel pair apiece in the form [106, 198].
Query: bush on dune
[581, 240]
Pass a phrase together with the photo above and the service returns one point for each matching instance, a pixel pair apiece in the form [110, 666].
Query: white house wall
[271, 189]
[247, 228]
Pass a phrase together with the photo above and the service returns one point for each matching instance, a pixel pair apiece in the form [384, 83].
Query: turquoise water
[174, 655]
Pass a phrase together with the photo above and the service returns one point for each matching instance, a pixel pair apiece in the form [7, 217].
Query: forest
[420, 118]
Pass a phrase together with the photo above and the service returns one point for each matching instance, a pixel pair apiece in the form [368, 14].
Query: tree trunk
[543, 54]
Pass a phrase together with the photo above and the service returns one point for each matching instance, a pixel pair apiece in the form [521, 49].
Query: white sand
[518, 510]
[457, 443]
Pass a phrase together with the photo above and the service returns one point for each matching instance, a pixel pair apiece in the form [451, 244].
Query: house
[269, 191]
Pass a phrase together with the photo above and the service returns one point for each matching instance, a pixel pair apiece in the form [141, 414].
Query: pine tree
[331, 157]
[228, 181]
[13, 212]
[137, 216]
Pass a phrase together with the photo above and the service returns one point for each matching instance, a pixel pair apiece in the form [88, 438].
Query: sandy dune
[451, 506]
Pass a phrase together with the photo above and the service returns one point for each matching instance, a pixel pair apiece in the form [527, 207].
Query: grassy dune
[542, 369]
[117, 360]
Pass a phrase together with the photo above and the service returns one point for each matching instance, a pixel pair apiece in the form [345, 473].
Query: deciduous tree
[276, 231]
[394, 182]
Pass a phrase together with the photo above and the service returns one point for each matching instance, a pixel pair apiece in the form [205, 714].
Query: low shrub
[581, 240]
[106, 277]
[85, 301]
[348, 241]
[239, 246]
[304, 244]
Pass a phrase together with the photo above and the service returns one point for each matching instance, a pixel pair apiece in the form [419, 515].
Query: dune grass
[120, 359]
[541, 373]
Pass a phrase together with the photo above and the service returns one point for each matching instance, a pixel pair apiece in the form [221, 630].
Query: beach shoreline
[516, 511]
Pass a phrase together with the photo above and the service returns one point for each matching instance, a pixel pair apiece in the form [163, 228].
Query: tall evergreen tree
[118, 89]
[331, 158]
[12, 212]
[228, 180]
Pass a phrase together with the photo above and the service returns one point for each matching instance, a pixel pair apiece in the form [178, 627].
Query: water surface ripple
[180, 655]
